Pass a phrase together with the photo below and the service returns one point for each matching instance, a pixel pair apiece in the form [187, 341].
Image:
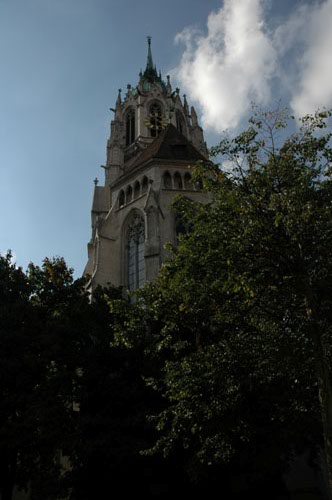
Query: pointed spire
[149, 63]
[150, 74]
[194, 119]
[118, 100]
[118, 111]
[176, 94]
[169, 86]
[185, 105]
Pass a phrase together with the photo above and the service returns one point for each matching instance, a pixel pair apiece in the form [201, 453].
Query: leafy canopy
[230, 317]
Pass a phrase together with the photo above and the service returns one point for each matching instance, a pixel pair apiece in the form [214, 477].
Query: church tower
[154, 139]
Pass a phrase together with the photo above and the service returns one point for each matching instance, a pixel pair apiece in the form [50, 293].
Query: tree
[14, 349]
[73, 400]
[233, 340]
[38, 330]
[114, 402]
[242, 313]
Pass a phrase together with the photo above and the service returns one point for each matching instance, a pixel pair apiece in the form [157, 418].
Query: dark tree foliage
[73, 402]
[216, 375]
[113, 402]
[240, 318]
[17, 373]
[38, 332]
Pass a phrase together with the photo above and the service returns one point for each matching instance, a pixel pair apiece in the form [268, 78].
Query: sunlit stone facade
[154, 138]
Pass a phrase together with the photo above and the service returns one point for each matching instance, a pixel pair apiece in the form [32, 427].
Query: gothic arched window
[199, 184]
[180, 226]
[188, 184]
[137, 189]
[130, 127]
[129, 194]
[177, 181]
[167, 180]
[135, 253]
[121, 199]
[145, 184]
[179, 122]
[155, 116]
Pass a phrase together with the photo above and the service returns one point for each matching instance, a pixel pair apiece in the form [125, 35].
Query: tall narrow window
[129, 194]
[155, 120]
[121, 199]
[199, 184]
[145, 185]
[177, 181]
[182, 226]
[167, 180]
[188, 184]
[135, 253]
[130, 127]
[137, 189]
[179, 122]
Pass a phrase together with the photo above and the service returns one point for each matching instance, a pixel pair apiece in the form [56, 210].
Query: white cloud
[231, 66]
[234, 166]
[240, 60]
[293, 30]
[315, 87]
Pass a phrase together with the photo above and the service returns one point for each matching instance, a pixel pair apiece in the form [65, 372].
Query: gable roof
[169, 145]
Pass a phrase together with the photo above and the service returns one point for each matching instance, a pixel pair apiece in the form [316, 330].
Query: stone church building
[154, 139]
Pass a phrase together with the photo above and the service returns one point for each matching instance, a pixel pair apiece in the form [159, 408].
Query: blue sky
[62, 62]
